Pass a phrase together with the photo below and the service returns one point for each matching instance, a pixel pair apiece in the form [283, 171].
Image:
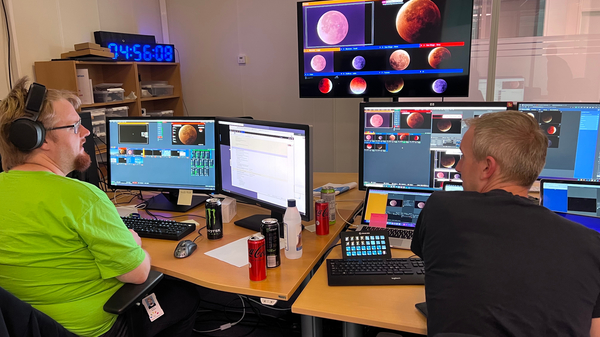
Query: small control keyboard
[159, 229]
[355, 272]
[392, 232]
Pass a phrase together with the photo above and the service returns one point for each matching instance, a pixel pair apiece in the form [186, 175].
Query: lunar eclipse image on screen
[415, 120]
[444, 125]
[418, 21]
[399, 60]
[358, 62]
[325, 85]
[448, 161]
[318, 62]
[376, 120]
[187, 135]
[358, 85]
[332, 27]
[421, 204]
[438, 57]
[439, 86]
[394, 85]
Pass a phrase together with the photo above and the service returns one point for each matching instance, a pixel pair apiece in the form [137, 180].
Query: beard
[82, 162]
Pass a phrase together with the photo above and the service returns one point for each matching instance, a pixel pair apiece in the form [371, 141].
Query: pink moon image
[318, 62]
[376, 120]
[421, 204]
[393, 203]
[438, 57]
[392, 137]
[440, 175]
[551, 130]
[399, 60]
[415, 120]
[325, 85]
[418, 21]
[368, 137]
[444, 125]
[358, 85]
[332, 27]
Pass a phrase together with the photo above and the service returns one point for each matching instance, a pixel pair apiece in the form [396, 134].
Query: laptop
[578, 201]
[394, 210]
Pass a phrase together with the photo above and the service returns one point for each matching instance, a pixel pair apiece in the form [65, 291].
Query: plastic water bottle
[293, 231]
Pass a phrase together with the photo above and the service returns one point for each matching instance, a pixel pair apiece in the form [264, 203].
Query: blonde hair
[12, 108]
[514, 139]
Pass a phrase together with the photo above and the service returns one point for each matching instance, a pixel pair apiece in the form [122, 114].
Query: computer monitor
[573, 138]
[91, 174]
[165, 154]
[569, 196]
[266, 163]
[414, 145]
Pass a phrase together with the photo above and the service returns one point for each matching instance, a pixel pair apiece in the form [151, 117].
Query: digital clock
[142, 52]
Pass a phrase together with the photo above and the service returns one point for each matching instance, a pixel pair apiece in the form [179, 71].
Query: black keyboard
[159, 229]
[350, 272]
[392, 232]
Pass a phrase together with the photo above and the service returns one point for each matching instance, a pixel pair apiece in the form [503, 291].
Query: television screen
[387, 48]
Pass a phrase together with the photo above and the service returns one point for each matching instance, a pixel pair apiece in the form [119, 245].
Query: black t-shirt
[497, 264]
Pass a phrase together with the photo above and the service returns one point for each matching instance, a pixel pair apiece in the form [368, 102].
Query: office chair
[18, 318]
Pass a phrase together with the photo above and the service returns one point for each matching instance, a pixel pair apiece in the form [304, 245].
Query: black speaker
[26, 133]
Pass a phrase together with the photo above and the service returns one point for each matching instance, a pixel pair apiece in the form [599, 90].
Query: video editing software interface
[350, 48]
[264, 163]
[414, 145]
[162, 153]
[573, 198]
[395, 208]
[573, 142]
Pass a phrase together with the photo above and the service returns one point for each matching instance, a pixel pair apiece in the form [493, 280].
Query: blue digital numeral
[147, 53]
[114, 49]
[124, 49]
[137, 52]
[158, 53]
[169, 53]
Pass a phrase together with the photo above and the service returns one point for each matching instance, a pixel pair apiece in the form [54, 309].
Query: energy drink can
[214, 219]
[256, 257]
[322, 217]
[270, 230]
[328, 194]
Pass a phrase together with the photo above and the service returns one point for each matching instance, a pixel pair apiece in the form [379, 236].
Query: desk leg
[352, 330]
[311, 326]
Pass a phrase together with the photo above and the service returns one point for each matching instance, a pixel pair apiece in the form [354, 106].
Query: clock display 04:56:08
[142, 52]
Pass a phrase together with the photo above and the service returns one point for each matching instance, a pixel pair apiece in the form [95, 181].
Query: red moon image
[448, 161]
[421, 204]
[188, 135]
[358, 85]
[325, 85]
[369, 146]
[418, 21]
[438, 57]
[404, 136]
[399, 60]
[440, 175]
[392, 137]
[444, 125]
[551, 130]
[318, 62]
[376, 120]
[394, 86]
[332, 27]
[416, 138]
[415, 120]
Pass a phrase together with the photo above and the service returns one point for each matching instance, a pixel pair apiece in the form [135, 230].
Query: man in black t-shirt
[498, 264]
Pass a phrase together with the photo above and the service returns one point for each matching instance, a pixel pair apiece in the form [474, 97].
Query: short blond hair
[12, 108]
[514, 139]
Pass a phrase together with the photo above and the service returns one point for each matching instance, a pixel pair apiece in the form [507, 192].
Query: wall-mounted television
[386, 48]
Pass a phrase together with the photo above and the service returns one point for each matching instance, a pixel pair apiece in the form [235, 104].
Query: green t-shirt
[62, 243]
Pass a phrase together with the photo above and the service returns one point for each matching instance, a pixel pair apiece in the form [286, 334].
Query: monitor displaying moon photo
[550, 117]
[336, 25]
[551, 129]
[188, 134]
[415, 120]
[378, 119]
[553, 142]
[321, 62]
[419, 21]
[447, 161]
[446, 125]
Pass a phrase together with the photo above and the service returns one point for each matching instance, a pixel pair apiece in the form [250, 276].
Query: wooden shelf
[158, 98]
[126, 101]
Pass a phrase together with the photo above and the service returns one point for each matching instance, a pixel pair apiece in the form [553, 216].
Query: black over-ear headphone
[26, 133]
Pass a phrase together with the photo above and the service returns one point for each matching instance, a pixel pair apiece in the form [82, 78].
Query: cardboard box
[90, 45]
[85, 52]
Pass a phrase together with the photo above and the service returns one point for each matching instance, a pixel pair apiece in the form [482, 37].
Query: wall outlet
[241, 59]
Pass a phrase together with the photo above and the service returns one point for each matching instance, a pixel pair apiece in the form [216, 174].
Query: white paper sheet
[235, 253]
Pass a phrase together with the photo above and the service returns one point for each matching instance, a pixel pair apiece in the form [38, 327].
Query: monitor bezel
[308, 160]
[153, 188]
[361, 128]
[573, 181]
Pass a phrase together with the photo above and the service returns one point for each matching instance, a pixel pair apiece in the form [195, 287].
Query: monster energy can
[214, 219]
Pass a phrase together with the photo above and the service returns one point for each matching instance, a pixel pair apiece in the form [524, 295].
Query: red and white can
[322, 217]
[257, 257]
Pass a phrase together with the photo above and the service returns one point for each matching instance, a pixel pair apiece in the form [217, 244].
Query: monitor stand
[167, 201]
[254, 222]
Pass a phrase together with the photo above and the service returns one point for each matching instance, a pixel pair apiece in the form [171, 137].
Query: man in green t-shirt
[63, 248]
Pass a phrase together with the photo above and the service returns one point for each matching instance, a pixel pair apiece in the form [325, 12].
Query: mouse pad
[422, 307]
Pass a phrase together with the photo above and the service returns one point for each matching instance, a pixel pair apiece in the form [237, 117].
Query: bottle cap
[291, 202]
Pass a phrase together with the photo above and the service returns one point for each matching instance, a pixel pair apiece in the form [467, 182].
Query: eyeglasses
[74, 126]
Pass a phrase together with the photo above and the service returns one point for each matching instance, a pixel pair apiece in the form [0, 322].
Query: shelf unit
[63, 75]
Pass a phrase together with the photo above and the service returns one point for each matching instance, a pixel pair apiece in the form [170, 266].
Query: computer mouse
[184, 248]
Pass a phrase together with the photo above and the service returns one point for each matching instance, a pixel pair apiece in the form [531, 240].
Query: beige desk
[281, 282]
[390, 307]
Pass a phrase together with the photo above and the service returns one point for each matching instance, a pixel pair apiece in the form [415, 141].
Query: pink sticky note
[378, 220]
